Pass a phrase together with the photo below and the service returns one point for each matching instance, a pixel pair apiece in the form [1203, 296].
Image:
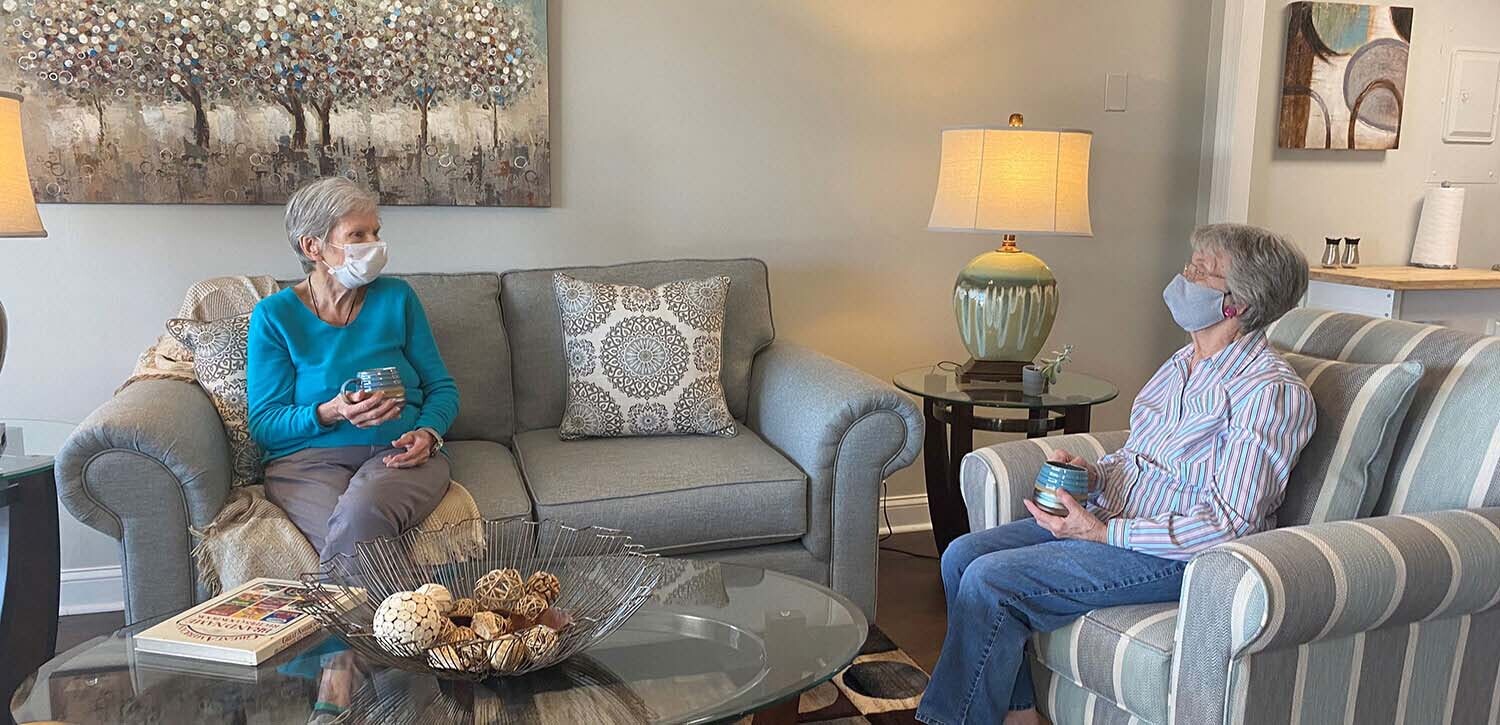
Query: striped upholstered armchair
[1390, 618]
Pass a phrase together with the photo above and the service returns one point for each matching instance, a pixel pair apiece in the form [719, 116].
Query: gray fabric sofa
[796, 491]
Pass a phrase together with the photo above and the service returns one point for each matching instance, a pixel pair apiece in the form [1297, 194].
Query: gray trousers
[341, 496]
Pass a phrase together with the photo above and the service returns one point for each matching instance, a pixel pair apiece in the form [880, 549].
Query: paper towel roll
[1437, 234]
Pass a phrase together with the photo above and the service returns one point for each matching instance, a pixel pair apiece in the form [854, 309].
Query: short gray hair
[317, 206]
[1267, 273]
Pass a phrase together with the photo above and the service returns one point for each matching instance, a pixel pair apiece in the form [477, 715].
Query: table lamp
[1009, 180]
[18, 216]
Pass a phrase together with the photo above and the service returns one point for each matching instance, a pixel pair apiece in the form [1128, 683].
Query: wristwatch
[438, 446]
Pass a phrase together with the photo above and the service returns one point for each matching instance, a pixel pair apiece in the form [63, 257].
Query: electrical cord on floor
[889, 531]
[950, 366]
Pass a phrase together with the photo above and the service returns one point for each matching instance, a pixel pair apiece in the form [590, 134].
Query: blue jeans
[1005, 583]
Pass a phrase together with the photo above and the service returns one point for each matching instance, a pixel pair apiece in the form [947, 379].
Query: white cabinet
[1467, 299]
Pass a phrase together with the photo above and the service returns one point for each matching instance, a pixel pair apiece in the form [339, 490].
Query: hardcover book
[246, 626]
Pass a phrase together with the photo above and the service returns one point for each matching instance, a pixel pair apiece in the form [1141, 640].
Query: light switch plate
[1115, 91]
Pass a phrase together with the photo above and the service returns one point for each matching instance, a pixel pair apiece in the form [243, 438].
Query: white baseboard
[907, 514]
[91, 589]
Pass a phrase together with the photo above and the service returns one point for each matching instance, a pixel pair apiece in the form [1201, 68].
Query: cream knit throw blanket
[252, 537]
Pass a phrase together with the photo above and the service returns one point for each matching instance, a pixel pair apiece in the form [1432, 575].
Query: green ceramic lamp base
[1005, 302]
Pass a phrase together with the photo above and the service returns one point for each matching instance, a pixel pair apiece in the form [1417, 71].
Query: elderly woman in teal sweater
[346, 468]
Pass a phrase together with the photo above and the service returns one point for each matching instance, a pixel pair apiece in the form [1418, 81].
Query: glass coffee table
[716, 643]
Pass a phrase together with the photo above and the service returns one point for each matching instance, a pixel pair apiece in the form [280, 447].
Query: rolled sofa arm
[143, 467]
[1303, 584]
[847, 431]
[995, 479]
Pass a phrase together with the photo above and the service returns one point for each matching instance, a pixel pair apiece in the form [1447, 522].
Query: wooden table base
[950, 437]
[784, 713]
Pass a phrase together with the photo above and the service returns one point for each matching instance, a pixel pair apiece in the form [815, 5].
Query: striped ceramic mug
[1059, 479]
[381, 380]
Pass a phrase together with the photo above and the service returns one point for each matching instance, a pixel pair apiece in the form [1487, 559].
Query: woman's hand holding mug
[364, 410]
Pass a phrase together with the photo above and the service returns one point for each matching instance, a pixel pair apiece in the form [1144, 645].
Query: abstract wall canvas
[1343, 85]
[240, 101]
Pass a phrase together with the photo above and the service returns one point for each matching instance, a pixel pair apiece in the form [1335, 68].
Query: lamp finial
[1016, 120]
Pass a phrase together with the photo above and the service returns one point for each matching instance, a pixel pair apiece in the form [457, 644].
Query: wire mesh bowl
[603, 577]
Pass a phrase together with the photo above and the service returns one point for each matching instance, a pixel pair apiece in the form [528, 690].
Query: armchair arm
[143, 467]
[847, 431]
[995, 479]
[1300, 585]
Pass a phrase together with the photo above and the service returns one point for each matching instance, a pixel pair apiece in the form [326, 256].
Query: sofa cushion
[1123, 654]
[219, 359]
[489, 472]
[673, 494]
[534, 328]
[1438, 462]
[643, 362]
[1360, 409]
[464, 313]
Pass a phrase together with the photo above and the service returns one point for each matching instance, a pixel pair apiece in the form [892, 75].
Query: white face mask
[362, 264]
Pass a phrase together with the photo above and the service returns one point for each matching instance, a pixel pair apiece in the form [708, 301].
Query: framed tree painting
[240, 101]
[1343, 85]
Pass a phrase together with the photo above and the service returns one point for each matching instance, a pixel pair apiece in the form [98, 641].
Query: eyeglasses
[1195, 272]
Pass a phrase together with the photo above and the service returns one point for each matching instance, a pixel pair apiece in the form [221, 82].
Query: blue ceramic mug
[1060, 479]
[376, 380]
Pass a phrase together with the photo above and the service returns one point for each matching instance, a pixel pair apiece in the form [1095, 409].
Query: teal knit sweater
[297, 362]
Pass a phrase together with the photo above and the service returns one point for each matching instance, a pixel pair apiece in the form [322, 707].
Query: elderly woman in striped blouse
[1214, 436]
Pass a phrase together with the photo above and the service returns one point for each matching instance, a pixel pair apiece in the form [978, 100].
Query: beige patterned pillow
[643, 361]
[219, 360]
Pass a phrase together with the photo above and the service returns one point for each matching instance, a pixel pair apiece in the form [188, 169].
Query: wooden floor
[910, 605]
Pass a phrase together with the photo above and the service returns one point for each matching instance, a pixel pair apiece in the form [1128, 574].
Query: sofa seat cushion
[488, 470]
[1123, 654]
[673, 494]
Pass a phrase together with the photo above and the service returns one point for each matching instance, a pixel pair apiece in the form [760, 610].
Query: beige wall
[805, 133]
[1377, 195]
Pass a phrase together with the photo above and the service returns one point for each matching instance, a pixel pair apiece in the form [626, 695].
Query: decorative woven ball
[407, 623]
[464, 607]
[488, 625]
[476, 655]
[446, 657]
[457, 635]
[540, 641]
[545, 585]
[439, 594]
[508, 653]
[529, 607]
[498, 590]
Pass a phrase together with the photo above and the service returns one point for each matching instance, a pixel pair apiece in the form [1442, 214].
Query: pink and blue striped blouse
[1209, 454]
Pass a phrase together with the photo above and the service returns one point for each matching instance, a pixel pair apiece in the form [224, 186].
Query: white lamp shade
[1013, 180]
[18, 216]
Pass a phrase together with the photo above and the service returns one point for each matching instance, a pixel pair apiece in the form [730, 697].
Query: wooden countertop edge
[1430, 279]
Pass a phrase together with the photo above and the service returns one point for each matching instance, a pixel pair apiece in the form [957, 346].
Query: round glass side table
[29, 545]
[949, 407]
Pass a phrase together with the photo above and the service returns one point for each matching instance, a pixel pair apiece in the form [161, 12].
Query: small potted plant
[1035, 379]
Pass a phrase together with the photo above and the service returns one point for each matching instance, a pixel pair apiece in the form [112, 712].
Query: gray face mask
[1193, 306]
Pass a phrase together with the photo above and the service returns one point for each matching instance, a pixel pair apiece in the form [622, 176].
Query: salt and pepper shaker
[1331, 253]
[1351, 252]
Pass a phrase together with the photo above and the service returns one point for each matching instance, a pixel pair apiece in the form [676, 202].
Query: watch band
[438, 446]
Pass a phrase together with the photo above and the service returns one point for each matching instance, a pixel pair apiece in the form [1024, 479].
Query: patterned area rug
[881, 687]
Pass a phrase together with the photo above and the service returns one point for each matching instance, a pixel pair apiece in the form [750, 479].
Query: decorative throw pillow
[219, 359]
[1360, 410]
[643, 361]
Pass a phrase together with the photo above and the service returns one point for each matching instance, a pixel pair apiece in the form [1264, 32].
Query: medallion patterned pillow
[219, 360]
[643, 362]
